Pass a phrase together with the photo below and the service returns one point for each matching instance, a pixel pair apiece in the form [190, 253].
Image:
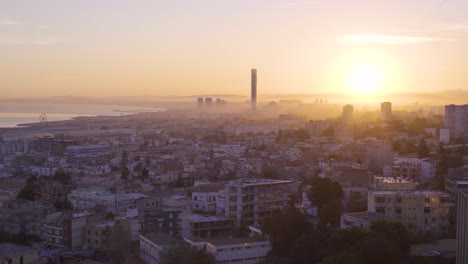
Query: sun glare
[365, 78]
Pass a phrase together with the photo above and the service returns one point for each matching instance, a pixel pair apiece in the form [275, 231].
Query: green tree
[395, 232]
[144, 173]
[282, 238]
[442, 167]
[423, 150]
[27, 192]
[62, 205]
[327, 195]
[125, 173]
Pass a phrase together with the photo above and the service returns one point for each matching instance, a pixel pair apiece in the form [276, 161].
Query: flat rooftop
[393, 180]
[368, 216]
[229, 241]
[208, 218]
[423, 192]
[254, 182]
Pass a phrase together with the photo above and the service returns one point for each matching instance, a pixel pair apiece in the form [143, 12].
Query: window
[427, 209]
[427, 199]
[434, 219]
[445, 199]
[380, 199]
[398, 199]
[397, 210]
[380, 210]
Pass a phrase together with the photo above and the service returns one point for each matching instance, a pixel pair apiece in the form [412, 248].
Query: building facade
[462, 226]
[456, 119]
[252, 200]
[418, 210]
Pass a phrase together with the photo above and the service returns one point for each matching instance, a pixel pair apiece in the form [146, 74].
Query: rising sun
[365, 78]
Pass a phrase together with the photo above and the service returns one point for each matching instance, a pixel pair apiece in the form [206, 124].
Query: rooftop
[423, 192]
[393, 180]
[368, 216]
[228, 241]
[253, 182]
[208, 218]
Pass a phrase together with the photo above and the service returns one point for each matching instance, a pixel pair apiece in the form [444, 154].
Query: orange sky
[187, 47]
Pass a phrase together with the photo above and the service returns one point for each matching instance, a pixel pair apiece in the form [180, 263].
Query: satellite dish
[43, 118]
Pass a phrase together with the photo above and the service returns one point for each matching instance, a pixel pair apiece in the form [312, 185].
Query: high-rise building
[456, 119]
[200, 102]
[347, 114]
[208, 101]
[253, 89]
[462, 226]
[386, 111]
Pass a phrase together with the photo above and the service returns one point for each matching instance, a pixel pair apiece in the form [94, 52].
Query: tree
[423, 150]
[125, 173]
[62, 205]
[395, 232]
[282, 238]
[326, 194]
[442, 167]
[63, 176]
[144, 173]
[27, 192]
[124, 159]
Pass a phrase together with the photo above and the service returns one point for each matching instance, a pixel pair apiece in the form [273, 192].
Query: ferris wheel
[43, 118]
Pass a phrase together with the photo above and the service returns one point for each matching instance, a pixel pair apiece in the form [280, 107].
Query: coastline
[13, 115]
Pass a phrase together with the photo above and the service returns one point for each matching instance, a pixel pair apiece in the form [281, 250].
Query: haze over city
[233, 132]
[126, 48]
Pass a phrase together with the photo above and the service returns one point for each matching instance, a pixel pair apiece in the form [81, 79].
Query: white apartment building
[87, 151]
[83, 199]
[417, 169]
[248, 250]
[153, 245]
[204, 202]
[419, 210]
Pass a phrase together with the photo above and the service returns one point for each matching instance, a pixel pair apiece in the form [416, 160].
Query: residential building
[386, 111]
[244, 250]
[211, 227]
[456, 119]
[17, 254]
[421, 170]
[393, 184]
[251, 200]
[65, 230]
[362, 219]
[153, 245]
[87, 151]
[173, 221]
[419, 210]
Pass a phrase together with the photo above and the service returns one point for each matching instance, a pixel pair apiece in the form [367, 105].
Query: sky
[190, 47]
